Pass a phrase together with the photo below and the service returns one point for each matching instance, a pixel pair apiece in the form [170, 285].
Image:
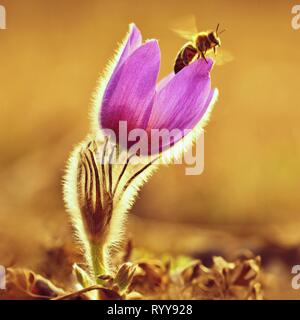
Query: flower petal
[181, 103]
[166, 144]
[211, 98]
[164, 81]
[134, 40]
[130, 92]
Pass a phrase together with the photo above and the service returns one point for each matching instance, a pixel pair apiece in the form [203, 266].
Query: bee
[200, 45]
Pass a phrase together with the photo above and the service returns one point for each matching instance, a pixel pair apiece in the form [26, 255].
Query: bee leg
[215, 50]
[203, 56]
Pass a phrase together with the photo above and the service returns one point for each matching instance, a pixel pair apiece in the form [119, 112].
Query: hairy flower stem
[99, 190]
[98, 264]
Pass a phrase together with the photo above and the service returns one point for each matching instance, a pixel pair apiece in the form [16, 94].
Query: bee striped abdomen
[184, 57]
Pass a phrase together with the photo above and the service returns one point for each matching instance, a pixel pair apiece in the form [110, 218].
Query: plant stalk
[98, 264]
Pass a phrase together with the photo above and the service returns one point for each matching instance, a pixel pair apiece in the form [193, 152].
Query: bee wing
[222, 56]
[184, 34]
[185, 27]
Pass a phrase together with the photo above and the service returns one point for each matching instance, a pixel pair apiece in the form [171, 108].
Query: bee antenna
[222, 31]
[217, 28]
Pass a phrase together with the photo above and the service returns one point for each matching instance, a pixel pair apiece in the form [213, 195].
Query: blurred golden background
[51, 55]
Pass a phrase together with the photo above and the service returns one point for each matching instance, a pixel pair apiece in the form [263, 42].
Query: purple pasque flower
[133, 95]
